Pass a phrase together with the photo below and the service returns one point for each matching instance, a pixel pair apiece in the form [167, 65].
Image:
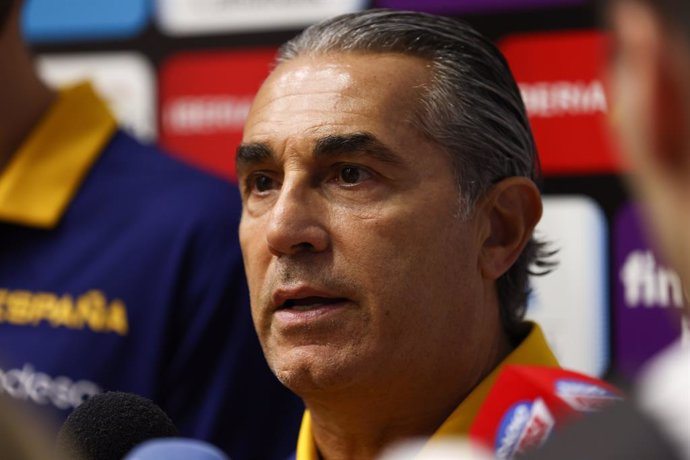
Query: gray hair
[472, 108]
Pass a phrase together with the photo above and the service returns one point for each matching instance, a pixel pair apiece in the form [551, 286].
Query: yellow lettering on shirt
[91, 308]
[117, 318]
[41, 306]
[3, 296]
[18, 307]
[62, 313]
[91, 311]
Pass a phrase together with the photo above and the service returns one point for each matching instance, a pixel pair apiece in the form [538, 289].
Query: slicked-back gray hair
[472, 108]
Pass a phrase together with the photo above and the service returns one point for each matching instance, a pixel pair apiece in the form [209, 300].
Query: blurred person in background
[120, 269]
[649, 88]
[649, 78]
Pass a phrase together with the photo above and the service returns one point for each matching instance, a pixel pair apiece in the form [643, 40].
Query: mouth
[310, 303]
[305, 298]
[298, 307]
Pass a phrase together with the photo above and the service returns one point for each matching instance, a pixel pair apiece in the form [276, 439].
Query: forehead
[313, 96]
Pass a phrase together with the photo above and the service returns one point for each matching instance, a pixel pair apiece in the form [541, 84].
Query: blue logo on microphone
[524, 426]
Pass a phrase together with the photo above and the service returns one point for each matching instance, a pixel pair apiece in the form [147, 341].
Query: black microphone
[108, 425]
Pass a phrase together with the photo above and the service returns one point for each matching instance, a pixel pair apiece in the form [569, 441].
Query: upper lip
[282, 295]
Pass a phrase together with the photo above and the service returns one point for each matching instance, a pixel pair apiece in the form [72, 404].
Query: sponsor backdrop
[184, 72]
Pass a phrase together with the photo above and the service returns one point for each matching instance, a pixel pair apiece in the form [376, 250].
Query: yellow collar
[44, 174]
[533, 350]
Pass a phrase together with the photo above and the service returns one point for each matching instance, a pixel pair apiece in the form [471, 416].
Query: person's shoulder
[153, 161]
[157, 177]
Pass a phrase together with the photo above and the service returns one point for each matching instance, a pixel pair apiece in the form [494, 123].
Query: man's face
[359, 268]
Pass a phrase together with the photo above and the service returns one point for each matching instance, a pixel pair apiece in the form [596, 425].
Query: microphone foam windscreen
[108, 425]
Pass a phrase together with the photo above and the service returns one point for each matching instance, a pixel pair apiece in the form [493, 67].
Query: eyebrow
[359, 143]
[248, 154]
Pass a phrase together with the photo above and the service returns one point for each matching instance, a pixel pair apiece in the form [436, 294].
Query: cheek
[246, 244]
[255, 260]
[423, 287]
[411, 260]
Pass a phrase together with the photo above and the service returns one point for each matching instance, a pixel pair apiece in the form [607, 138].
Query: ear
[511, 210]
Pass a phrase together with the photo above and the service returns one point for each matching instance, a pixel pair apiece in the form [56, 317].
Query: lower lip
[295, 317]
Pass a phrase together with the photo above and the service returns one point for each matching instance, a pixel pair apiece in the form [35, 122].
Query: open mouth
[310, 303]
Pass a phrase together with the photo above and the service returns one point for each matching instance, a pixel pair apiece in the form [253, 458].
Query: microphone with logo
[528, 403]
[109, 425]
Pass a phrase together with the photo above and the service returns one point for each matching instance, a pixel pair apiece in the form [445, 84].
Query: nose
[297, 221]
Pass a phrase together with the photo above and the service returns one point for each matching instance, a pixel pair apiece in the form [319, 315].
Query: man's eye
[352, 175]
[261, 183]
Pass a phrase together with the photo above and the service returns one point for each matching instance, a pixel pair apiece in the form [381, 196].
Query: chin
[305, 373]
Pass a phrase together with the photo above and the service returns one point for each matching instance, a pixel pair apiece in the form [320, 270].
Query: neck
[24, 98]
[353, 430]
[359, 423]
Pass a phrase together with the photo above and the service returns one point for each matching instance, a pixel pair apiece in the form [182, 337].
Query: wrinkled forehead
[341, 88]
[342, 68]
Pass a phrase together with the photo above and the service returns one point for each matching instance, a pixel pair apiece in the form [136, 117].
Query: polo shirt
[120, 269]
[533, 350]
